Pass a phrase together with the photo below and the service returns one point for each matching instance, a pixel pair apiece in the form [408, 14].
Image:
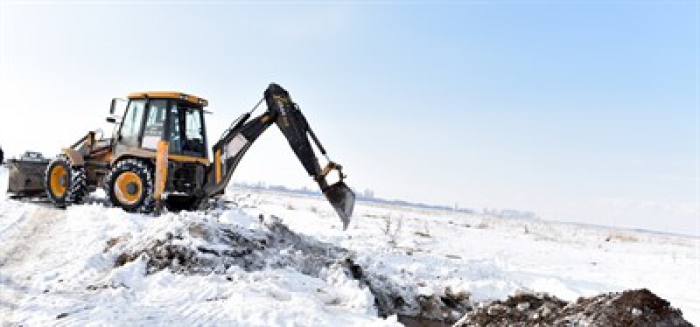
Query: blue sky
[579, 111]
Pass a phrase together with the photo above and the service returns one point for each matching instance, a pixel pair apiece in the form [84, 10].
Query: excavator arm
[283, 112]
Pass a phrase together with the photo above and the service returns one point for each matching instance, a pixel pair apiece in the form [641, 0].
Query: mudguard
[76, 159]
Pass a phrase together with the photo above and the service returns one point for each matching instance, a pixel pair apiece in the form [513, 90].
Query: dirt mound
[204, 248]
[629, 308]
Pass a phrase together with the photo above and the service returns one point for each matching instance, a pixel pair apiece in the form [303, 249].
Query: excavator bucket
[342, 199]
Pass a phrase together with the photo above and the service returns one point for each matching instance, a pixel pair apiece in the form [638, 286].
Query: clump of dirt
[524, 309]
[179, 256]
[630, 308]
[204, 248]
[634, 308]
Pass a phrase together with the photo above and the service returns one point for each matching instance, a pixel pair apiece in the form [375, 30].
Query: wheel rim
[59, 179]
[128, 188]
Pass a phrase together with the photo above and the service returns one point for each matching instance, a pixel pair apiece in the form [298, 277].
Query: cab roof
[170, 95]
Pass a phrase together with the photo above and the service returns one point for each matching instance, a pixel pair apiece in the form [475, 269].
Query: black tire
[72, 188]
[139, 174]
[79, 189]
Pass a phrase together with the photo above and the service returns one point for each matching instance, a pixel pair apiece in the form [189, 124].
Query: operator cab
[174, 117]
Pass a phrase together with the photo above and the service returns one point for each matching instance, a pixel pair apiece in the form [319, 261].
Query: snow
[60, 263]
[3, 181]
[491, 257]
[63, 266]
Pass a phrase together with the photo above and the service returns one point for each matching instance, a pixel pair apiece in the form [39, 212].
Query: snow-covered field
[491, 257]
[240, 265]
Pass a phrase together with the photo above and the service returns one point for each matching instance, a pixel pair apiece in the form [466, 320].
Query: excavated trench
[220, 247]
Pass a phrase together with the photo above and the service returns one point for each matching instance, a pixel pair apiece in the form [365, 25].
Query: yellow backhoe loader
[158, 156]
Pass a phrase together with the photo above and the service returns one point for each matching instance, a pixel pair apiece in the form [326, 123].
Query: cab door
[143, 127]
[154, 127]
[130, 130]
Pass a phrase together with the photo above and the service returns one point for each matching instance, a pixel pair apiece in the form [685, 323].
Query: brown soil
[633, 308]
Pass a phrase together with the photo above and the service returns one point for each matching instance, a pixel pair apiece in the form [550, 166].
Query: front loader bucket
[342, 199]
[26, 177]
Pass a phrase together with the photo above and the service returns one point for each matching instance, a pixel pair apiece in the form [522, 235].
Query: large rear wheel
[64, 183]
[130, 186]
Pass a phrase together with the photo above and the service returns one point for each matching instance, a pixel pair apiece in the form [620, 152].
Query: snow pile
[4, 176]
[195, 243]
[102, 265]
[629, 308]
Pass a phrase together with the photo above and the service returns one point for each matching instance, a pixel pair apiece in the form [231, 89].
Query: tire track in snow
[21, 254]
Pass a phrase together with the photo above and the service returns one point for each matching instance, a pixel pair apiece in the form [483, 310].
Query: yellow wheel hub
[59, 181]
[128, 188]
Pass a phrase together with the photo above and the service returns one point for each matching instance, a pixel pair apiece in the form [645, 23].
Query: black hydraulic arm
[295, 128]
[233, 145]
[231, 148]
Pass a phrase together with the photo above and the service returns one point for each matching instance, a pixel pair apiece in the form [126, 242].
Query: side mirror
[117, 105]
[112, 108]
[111, 120]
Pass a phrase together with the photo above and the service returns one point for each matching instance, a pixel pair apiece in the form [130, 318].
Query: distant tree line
[365, 195]
[369, 196]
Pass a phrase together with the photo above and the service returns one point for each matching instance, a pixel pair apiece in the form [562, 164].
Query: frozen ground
[94, 265]
[490, 257]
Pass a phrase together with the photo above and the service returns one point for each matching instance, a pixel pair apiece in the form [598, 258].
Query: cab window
[194, 133]
[155, 124]
[175, 131]
[187, 131]
[131, 124]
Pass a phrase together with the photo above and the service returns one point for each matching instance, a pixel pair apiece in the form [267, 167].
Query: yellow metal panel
[121, 151]
[76, 159]
[217, 165]
[181, 158]
[161, 169]
[170, 95]
[150, 154]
